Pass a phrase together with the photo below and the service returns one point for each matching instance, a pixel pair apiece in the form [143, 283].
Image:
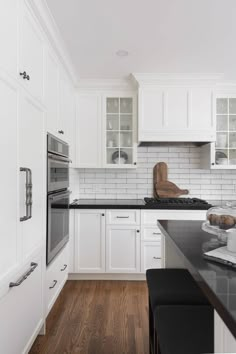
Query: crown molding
[149, 79]
[125, 84]
[50, 28]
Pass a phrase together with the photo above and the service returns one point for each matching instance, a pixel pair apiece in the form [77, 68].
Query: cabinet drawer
[151, 234]
[22, 310]
[56, 276]
[151, 255]
[123, 217]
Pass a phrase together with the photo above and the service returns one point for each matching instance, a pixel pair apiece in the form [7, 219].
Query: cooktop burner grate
[177, 203]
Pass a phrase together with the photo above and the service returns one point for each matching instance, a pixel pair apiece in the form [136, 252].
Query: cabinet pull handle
[54, 284]
[65, 266]
[156, 233]
[24, 276]
[122, 217]
[28, 193]
[156, 257]
[24, 75]
[61, 131]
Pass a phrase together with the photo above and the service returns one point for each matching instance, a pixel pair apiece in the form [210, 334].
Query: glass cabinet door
[225, 147]
[119, 131]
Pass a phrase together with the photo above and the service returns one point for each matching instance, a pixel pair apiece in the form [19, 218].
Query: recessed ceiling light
[122, 53]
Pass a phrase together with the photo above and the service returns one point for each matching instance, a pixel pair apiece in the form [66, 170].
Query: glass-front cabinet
[120, 144]
[225, 147]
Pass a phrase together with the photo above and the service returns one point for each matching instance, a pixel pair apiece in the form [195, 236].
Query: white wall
[183, 162]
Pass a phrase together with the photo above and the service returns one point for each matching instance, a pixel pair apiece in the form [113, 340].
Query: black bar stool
[170, 287]
[185, 329]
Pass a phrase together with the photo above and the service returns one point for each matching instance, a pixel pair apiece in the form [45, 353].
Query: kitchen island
[184, 244]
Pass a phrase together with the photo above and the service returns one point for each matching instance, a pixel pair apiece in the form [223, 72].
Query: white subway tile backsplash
[183, 167]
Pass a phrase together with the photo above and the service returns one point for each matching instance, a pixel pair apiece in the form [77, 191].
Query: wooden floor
[97, 317]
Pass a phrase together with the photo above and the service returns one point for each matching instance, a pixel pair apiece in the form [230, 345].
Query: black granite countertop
[217, 281]
[107, 204]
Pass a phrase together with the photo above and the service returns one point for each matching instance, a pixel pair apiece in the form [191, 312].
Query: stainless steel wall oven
[57, 196]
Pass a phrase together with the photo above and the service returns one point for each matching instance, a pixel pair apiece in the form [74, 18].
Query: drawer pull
[156, 233]
[122, 217]
[24, 276]
[53, 286]
[65, 266]
[156, 257]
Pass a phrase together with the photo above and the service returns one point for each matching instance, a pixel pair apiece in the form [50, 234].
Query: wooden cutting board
[162, 187]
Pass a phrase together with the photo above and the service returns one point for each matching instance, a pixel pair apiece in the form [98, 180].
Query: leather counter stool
[185, 329]
[170, 287]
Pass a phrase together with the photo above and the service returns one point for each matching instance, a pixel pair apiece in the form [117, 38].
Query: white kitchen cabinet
[224, 341]
[122, 249]
[51, 92]
[9, 28]
[32, 156]
[10, 237]
[89, 131]
[151, 255]
[56, 276]
[31, 51]
[119, 113]
[90, 241]
[22, 309]
[222, 153]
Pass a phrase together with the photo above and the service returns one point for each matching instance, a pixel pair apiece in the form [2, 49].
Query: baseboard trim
[105, 276]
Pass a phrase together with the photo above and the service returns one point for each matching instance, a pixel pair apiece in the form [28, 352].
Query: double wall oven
[57, 195]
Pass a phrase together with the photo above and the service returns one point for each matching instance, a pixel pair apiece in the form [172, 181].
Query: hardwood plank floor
[97, 317]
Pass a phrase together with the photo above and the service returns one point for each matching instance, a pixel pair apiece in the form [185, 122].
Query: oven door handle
[59, 158]
[59, 196]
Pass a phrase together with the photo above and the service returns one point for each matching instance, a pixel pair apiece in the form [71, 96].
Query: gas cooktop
[177, 203]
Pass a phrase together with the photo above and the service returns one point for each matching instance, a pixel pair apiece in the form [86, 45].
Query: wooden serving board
[162, 187]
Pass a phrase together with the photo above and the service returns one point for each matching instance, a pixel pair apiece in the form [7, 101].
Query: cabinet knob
[60, 131]
[138, 231]
[103, 214]
[24, 75]
[213, 163]
[135, 163]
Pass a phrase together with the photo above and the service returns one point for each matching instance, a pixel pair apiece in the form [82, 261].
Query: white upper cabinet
[9, 250]
[176, 110]
[9, 35]
[88, 131]
[222, 153]
[31, 54]
[32, 158]
[51, 92]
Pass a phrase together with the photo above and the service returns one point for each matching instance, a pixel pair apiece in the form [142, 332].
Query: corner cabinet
[222, 153]
[109, 120]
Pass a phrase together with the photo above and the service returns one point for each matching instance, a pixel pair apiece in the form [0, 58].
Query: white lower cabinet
[21, 310]
[122, 249]
[151, 255]
[56, 276]
[90, 241]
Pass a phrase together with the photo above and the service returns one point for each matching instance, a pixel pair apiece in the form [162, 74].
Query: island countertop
[217, 281]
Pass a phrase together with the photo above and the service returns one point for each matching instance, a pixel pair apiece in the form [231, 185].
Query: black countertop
[217, 281]
[123, 204]
[107, 204]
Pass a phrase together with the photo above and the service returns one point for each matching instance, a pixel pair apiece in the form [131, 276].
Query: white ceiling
[160, 35]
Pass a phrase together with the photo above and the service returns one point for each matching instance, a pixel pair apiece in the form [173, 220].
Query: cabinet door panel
[122, 249]
[88, 130]
[176, 101]
[150, 255]
[22, 312]
[51, 91]
[32, 155]
[31, 54]
[202, 109]
[9, 250]
[151, 110]
[90, 236]
[8, 35]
